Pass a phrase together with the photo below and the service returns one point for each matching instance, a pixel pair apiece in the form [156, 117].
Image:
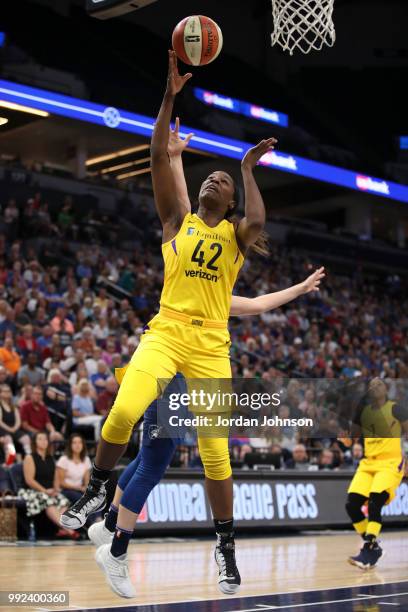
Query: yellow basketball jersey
[382, 423]
[201, 265]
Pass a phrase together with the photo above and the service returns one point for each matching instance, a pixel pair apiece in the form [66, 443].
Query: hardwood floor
[172, 571]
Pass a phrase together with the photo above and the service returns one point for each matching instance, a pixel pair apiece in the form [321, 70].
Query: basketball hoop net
[303, 24]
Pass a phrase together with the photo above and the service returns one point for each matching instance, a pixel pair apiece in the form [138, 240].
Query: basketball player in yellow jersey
[381, 422]
[203, 254]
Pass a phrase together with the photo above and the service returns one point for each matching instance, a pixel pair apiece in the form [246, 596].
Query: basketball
[197, 40]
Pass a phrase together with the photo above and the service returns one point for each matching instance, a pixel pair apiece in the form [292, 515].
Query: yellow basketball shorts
[172, 343]
[376, 476]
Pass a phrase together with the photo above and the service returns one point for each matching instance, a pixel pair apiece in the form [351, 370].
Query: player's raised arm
[254, 306]
[254, 221]
[171, 211]
[175, 149]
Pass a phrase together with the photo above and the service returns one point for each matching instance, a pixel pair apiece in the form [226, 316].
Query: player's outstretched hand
[253, 155]
[175, 81]
[176, 144]
[313, 281]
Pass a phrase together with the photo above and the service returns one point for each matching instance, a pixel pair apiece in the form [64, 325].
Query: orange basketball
[197, 40]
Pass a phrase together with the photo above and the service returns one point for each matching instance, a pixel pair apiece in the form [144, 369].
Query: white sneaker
[116, 571]
[91, 501]
[98, 534]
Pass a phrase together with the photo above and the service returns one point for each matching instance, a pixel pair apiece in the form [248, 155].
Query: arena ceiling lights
[23, 109]
[105, 9]
[115, 118]
[116, 154]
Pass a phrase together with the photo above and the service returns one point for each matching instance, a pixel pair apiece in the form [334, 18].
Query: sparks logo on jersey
[190, 231]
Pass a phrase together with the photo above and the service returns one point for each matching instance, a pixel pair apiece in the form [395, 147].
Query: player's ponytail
[260, 246]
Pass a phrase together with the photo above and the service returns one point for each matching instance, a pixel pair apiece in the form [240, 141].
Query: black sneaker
[229, 579]
[368, 556]
[91, 501]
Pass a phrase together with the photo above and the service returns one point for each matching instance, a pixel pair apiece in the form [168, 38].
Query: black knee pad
[353, 507]
[375, 503]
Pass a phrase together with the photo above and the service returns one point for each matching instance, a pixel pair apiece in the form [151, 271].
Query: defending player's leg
[141, 475]
[134, 487]
[137, 391]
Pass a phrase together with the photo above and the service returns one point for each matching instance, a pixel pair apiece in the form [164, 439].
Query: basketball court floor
[305, 572]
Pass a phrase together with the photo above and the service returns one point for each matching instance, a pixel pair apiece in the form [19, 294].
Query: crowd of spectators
[72, 312]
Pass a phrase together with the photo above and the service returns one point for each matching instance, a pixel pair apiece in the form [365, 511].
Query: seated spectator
[279, 453]
[109, 351]
[35, 417]
[299, 460]
[92, 360]
[54, 359]
[288, 437]
[26, 343]
[106, 398]
[41, 490]
[10, 215]
[74, 468]
[87, 309]
[26, 393]
[87, 341]
[10, 422]
[326, 459]
[65, 219]
[117, 362]
[83, 408]
[44, 341]
[308, 405]
[58, 401]
[102, 300]
[5, 376]
[100, 377]
[61, 324]
[8, 356]
[30, 372]
[20, 317]
[3, 280]
[352, 460]
[8, 324]
[79, 373]
[84, 268]
[101, 329]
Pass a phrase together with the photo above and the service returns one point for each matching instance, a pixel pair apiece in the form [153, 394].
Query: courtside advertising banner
[298, 500]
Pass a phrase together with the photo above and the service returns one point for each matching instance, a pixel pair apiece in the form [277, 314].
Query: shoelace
[85, 500]
[226, 548]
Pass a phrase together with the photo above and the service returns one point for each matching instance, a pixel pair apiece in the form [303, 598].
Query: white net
[303, 24]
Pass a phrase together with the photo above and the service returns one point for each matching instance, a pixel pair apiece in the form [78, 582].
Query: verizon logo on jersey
[201, 274]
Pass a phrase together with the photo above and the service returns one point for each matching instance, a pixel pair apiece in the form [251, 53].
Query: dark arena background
[81, 273]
